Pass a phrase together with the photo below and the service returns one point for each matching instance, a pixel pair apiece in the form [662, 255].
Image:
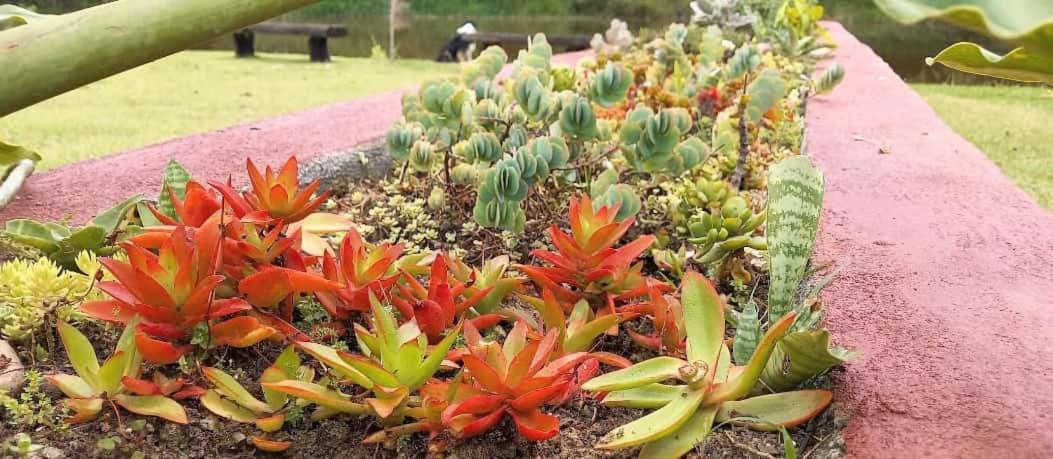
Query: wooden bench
[570, 42]
[318, 41]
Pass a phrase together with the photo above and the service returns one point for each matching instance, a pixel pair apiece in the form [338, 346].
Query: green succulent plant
[485, 67]
[764, 92]
[482, 146]
[500, 193]
[719, 234]
[62, 243]
[706, 387]
[830, 78]
[610, 86]
[606, 191]
[577, 120]
[652, 141]
[422, 156]
[534, 99]
[400, 139]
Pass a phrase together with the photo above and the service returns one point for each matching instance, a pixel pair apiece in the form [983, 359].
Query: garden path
[78, 191]
[945, 274]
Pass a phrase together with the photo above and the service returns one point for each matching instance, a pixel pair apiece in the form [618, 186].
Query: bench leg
[319, 49]
[244, 43]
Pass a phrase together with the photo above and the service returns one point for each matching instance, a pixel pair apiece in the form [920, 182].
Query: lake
[421, 37]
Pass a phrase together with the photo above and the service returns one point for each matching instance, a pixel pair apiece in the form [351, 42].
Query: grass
[1010, 123]
[196, 91]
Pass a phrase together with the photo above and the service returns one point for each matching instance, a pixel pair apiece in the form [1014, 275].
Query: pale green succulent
[610, 86]
[577, 120]
[718, 234]
[400, 139]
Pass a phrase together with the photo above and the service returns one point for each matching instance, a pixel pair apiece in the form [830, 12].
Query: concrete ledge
[78, 191]
[946, 274]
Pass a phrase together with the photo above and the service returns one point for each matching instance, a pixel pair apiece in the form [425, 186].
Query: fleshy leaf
[795, 202]
[229, 387]
[226, 408]
[656, 424]
[649, 396]
[153, 405]
[649, 371]
[703, 319]
[1020, 64]
[799, 357]
[81, 354]
[330, 357]
[679, 443]
[319, 395]
[785, 409]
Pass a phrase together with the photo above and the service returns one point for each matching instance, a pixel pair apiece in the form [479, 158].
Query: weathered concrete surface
[946, 274]
[78, 191]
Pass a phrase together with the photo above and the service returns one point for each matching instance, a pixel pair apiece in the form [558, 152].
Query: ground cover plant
[554, 246]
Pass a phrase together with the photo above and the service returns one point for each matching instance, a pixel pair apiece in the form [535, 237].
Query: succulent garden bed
[609, 256]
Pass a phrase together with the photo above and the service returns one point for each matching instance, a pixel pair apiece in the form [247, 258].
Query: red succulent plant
[585, 261]
[273, 195]
[362, 269]
[514, 379]
[437, 307]
[667, 319]
[173, 291]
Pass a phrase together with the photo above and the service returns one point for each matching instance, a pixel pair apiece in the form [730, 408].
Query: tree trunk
[46, 58]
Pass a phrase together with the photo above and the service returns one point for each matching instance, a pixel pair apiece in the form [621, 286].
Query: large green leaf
[795, 201]
[1028, 22]
[1019, 65]
[799, 357]
[13, 16]
[11, 154]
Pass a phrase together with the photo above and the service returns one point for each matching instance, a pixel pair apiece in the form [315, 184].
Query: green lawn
[192, 92]
[1011, 123]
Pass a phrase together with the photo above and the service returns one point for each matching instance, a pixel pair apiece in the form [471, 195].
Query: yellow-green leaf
[81, 354]
[153, 405]
[1019, 65]
[651, 396]
[112, 371]
[319, 395]
[785, 409]
[649, 371]
[679, 443]
[331, 357]
[657, 424]
[703, 319]
[229, 387]
[215, 403]
[72, 386]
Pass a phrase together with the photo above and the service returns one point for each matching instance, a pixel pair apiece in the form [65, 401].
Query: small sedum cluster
[30, 289]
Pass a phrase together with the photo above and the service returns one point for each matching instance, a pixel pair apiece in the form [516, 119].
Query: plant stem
[744, 143]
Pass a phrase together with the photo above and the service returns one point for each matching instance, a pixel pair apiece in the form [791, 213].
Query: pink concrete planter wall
[946, 274]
